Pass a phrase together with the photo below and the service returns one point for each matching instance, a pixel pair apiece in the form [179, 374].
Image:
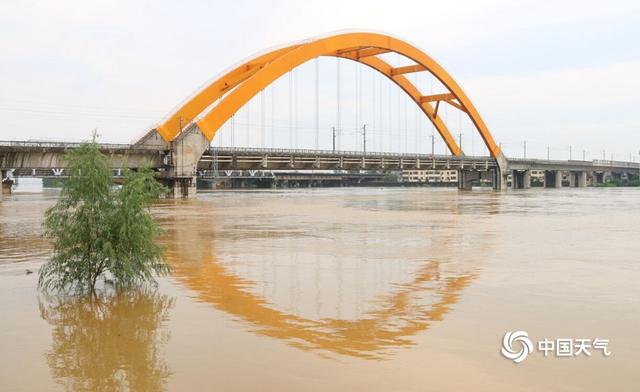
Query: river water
[354, 289]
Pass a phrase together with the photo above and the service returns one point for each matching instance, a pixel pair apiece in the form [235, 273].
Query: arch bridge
[187, 133]
[179, 147]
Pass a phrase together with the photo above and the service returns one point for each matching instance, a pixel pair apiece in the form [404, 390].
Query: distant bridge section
[50, 155]
[46, 159]
[578, 172]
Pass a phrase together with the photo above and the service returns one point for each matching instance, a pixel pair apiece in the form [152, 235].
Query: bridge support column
[581, 179]
[553, 179]
[597, 178]
[184, 187]
[558, 179]
[573, 179]
[526, 179]
[186, 150]
[578, 179]
[466, 178]
[500, 179]
[521, 179]
[7, 183]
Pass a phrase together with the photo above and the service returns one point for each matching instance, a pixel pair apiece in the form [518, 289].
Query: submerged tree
[97, 228]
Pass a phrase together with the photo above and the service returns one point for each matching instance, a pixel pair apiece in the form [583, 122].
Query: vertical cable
[357, 103]
[360, 111]
[389, 118]
[233, 126]
[290, 109]
[273, 109]
[415, 111]
[406, 125]
[262, 133]
[317, 103]
[248, 119]
[399, 120]
[460, 125]
[338, 125]
[374, 126]
[295, 106]
[380, 148]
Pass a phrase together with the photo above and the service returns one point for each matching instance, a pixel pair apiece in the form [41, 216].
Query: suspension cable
[415, 111]
[295, 106]
[338, 124]
[273, 106]
[248, 119]
[290, 109]
[317, 103]
[389, 118]
[380, 140]
[262, 133]
[233, 118]
[357, 103]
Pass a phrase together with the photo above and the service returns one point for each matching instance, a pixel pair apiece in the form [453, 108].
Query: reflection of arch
[392, 325]
[238, 86]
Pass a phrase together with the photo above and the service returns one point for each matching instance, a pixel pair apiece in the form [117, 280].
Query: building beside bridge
[430, 176]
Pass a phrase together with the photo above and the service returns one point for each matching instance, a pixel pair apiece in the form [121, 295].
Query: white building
[430, 176]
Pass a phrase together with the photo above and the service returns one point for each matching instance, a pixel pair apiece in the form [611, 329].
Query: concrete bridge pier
[500, 179]
[521, 179]
[553, 179]
[185, 152]
[466, 178]
[578, 179]
[7, 183]
[181, 187]
[582, 179]
[500, 173]
[597, 178]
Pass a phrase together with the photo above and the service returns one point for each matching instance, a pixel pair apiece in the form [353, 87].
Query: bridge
[179, 147]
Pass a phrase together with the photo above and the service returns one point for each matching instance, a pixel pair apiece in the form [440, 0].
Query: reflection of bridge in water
[275, 283]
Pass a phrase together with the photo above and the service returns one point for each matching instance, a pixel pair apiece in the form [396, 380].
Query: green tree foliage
[97, 228]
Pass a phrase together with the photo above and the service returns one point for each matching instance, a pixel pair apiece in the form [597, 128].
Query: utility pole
[460, 140]
[525, 149]
[433, 142]
[364, 138]
[547, 153]
[603, 155]
[334, 138]
[569, 152]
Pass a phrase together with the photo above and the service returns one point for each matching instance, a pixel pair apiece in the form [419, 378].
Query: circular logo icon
[519, 339]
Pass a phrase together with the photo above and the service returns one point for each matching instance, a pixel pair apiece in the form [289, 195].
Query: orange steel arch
[238, 86]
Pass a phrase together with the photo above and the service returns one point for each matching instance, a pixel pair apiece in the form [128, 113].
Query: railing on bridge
[64, 145]
[288, 151]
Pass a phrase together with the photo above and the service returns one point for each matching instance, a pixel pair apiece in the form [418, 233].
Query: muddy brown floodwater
[340, 289]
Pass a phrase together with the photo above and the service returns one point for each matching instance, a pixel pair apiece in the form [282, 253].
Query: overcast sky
[554, 73]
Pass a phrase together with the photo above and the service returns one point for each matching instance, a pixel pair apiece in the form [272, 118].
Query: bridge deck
[45, 158]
